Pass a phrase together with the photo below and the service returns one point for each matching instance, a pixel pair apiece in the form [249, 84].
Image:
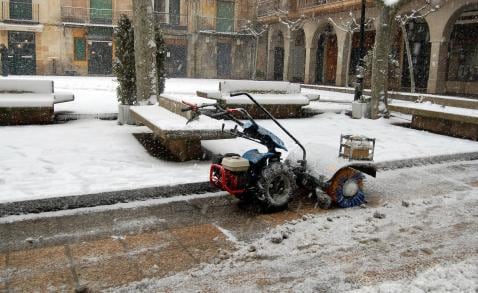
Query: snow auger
[266, 177]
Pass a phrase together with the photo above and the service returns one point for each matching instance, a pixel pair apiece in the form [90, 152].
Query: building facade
[205, 38]
[443, 44]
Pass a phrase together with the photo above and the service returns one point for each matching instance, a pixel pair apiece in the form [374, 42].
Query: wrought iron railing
[220, 25]
[93, 16]
[314, 3]
[16, 11]
[269, 7]
[172, 20]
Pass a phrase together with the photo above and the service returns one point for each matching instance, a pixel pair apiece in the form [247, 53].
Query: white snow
[80, 157]
[268, 99]
[25, 100]
[390, 2]
[89, 156]
[459, 277]
[349, 250]
[167, 120]
[437, 108]
[230, 86]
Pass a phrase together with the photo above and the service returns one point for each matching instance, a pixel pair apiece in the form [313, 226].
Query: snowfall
[319, 252]
[89, 155]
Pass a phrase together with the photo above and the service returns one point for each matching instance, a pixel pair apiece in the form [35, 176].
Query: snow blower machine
[270, 180]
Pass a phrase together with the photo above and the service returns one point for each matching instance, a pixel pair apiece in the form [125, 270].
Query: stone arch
[325, 66]
[419, 41]
[461, 33]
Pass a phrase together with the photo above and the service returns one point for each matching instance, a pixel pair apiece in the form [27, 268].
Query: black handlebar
[304, 161]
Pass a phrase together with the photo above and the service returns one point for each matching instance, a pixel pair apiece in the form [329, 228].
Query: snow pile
[460, 277]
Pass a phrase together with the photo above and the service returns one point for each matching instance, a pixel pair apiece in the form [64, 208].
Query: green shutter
[225, 16]
[80, 49]
[101, 11]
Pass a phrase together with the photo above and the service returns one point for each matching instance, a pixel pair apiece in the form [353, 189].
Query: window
[80, 49]
[463, 52]
[225, 16]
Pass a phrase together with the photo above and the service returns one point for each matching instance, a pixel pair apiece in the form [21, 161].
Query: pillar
[342, 54]
[310, 64]
[438, 67]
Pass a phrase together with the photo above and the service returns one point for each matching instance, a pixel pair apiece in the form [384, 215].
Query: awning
[37, 28]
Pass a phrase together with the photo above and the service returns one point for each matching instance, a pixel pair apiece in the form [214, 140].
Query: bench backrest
[23, 85]
[253, 86]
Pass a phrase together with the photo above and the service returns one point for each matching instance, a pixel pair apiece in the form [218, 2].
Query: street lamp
[360, 66]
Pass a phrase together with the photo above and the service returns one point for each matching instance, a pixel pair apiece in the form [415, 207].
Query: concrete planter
[360, 110]
[124, 115]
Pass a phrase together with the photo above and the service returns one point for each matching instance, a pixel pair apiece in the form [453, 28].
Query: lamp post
[360, 66]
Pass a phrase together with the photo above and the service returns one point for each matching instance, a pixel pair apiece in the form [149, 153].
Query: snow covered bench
[452, 121]
[282, 99]
[181, 139]
[29, 101]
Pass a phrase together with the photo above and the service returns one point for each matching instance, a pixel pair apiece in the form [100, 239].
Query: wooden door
[331, 59]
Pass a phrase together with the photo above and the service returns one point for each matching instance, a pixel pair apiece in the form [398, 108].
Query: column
[342, 54]
[438, 67]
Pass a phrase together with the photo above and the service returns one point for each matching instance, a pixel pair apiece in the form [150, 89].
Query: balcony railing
[89, 16]
[220, 25]
[268, 7]
[20, 12]
[314, 3]
[171, 20]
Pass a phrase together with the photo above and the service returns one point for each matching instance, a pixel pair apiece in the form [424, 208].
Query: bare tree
[349, 26]
[403, 20]
[256, 29]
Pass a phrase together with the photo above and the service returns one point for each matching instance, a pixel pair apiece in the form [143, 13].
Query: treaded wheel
[276, 186]
[346, 188]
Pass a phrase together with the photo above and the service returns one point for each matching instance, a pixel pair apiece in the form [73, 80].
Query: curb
[423, 161]
[113, 197]
[102, 198]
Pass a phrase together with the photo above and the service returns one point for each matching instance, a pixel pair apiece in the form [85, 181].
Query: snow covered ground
[89, 156]
[418, 235]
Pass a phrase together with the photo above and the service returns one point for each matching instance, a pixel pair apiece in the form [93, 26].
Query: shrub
[124, 65]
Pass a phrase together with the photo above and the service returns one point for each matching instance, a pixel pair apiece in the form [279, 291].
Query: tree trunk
[409, 57]
[349, 56]
[380, 61]
[145, 52]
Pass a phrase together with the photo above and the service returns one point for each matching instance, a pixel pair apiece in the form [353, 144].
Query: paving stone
[279, 218]
[3, 262]
[38, 259]
[59, 280]
[109, 272]
[165, 262]
[95, 251]
[158, 240]
[473, 183]
[193, 235]
[208, 252]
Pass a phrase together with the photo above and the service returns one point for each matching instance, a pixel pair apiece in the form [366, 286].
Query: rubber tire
[335, 190]
[268, 175]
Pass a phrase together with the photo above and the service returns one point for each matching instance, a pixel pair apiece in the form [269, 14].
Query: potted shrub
[124, 69]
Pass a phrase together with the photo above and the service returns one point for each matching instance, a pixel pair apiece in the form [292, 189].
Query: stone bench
[281, 99]
[183, 141]
[29, 101]
[457, 122]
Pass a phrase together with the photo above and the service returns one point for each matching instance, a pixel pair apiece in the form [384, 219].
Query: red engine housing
[232, 182]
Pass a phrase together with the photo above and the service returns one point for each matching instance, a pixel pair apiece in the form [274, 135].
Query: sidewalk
[114, 248]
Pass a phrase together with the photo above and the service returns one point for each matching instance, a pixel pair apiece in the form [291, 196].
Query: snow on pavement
[80, 157]
[427, 245]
